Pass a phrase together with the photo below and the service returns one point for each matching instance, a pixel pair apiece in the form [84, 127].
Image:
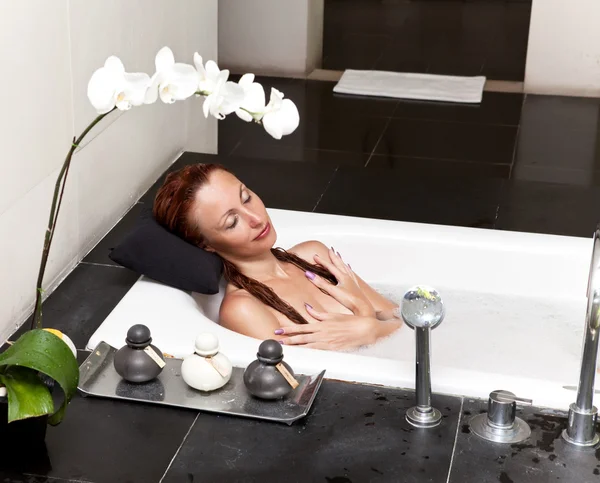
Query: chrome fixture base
[581, 429]
[423, 417]
[516, 433]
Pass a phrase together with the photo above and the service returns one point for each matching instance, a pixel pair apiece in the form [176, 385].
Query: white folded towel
[411, 86]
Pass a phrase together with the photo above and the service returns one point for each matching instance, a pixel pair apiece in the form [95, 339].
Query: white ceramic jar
[207, 369]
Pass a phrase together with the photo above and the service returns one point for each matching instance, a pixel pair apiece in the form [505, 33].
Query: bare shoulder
[243, 313]
[308, 249]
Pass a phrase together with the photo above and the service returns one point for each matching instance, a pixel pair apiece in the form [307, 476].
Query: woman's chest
[298, 291]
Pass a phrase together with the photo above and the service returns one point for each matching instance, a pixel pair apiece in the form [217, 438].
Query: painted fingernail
[279, 332]
[281, 342]
[308, 306]
[309, 275]
[338, 254]
[349, 267]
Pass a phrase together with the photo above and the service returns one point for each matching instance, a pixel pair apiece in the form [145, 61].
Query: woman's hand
[347, 291]
[336, 331]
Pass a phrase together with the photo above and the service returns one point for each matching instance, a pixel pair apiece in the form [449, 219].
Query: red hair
[171, 209]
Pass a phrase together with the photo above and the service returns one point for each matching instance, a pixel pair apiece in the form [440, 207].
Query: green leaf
[28, 396]
[45, 352]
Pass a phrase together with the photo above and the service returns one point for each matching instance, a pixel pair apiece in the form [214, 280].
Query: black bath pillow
[152, 250]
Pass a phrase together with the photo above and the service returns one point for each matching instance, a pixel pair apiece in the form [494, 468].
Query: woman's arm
[337, 331]
[383, 307]
[244, 314]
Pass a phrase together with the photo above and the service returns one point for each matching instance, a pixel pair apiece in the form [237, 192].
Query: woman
[304, 296]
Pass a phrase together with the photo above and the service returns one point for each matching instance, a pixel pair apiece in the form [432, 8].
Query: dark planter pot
[24, 433]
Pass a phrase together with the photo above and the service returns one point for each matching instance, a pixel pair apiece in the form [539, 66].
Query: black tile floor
[451, 37]
[349, 436]
[355, 433]
[543, 457]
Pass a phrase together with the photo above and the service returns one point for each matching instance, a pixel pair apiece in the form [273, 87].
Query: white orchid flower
[222, 97]
[253, 106]
[208, 76]
[281, 116]
[225, 98]
[110, 86]
[172, 81]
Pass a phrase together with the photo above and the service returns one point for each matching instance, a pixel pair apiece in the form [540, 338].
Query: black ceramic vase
[262, 378]
[132, 362]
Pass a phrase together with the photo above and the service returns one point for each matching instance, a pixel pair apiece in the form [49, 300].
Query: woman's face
[232, 219]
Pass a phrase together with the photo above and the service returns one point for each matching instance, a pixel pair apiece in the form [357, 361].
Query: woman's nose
[254, 219]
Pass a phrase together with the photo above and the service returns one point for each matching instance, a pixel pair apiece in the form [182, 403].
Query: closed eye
[233, 224]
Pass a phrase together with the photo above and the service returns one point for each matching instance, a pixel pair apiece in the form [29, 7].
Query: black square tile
[284, 185]
[352, 134]
[363, 17]
[549, 208]
[102, 440]
[106, 441]
[438, 167]
[449, 37]
[291, 186]
[559, 112]
[99, 253]
[385, 194]
[456, 63]
[542, 458]
[353, 433]
[353, 51]
[303, 155]
[448, 140]
[403, 58]
[328, 121]
[500, 69]
[559, 132]
[495, 108]
[506, 55]
[83, 300]
[321, 101]
[556, 175]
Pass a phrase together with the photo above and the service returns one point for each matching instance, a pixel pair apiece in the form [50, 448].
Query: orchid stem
[59, 189]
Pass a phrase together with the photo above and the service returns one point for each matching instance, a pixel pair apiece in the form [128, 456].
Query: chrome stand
[423, 310]
[581, 427]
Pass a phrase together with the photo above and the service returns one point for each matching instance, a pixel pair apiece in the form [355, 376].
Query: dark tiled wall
[451, 37]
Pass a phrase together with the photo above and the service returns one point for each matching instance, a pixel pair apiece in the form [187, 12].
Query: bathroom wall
[48, 51]
[271, 37]
[563, 55]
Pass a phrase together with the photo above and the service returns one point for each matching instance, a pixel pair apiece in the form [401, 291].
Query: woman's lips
[265, 232]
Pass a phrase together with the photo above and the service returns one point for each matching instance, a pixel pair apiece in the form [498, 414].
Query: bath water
[495, 329]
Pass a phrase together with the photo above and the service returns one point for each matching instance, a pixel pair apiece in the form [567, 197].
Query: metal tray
[97, 377]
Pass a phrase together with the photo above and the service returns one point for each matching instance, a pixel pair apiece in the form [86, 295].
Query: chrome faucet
[581, 426]
[422, 309]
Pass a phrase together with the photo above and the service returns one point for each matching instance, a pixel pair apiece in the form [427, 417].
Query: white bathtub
[515, 307]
